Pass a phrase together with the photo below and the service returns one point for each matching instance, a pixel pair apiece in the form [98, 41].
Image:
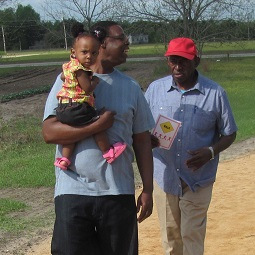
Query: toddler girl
[76, 99]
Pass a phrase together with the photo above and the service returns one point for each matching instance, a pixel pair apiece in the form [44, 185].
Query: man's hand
[154, 141]
[144, 205]
[143, 153]
[106, 118]
[94, 81]
[199, 158]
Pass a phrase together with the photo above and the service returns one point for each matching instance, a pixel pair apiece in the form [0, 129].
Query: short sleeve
[226, 123]
[75, 65]
[143, 119]
[52, 102]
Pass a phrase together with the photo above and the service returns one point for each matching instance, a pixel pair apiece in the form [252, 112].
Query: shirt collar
[198, 86]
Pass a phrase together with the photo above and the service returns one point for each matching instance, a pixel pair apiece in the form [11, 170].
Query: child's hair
[78, 31]
[104, 25]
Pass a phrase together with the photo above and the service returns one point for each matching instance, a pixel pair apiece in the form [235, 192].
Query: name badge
[166, 130]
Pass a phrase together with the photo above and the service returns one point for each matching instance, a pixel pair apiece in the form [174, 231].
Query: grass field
[134, 51]
[26, 161]
[238, 79]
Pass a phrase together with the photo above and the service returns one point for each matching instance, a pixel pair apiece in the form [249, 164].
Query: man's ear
[197, 61]
[103, 44]
[167, 60]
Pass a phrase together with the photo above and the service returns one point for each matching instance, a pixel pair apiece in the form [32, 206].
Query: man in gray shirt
[94, 201]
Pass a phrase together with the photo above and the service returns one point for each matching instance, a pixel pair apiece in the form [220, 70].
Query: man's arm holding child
[57, 133]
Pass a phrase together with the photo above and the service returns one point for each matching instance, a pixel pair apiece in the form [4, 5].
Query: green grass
[26, 162]
[146, 50]
[241, 46]
[8, 71]
[12, 71]
[24, 155]
[8, 223]
[36, 56]
[14, 220]
[25, 93]
[139, 50]
[237, 76]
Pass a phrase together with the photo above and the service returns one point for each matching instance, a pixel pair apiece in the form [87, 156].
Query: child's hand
[62, 77]
[94, 81]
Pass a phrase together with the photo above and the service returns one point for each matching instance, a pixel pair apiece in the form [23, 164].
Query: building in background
[138, 39]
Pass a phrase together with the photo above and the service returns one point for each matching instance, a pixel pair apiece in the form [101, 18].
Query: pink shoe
[58, 161]
[114, 152]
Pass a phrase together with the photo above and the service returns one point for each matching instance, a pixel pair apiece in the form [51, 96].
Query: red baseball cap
[184, 47]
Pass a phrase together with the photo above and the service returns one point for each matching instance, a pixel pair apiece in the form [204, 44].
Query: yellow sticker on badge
[166, 127]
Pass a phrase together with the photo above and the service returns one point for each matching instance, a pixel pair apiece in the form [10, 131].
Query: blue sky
[36, 4]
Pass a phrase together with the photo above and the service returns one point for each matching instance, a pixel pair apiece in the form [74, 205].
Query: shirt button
[179, 140]
[177, 169]
[178, 155]
[181, 110]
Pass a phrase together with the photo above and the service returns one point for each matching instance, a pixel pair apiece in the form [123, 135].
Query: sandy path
[231, 217]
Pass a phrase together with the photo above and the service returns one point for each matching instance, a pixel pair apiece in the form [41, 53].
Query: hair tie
[97, 33]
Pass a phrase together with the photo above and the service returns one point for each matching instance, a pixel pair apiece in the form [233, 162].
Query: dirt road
[231, 217]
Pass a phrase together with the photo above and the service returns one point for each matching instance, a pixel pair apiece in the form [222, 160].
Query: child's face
[86, 50]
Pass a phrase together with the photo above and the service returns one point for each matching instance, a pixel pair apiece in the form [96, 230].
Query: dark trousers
[90, 225]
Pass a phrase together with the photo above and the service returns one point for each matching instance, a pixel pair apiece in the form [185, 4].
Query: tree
[88, 11]
[21, 27]
[29, 29]
[192, 17]
[54, 36]
[6, 18]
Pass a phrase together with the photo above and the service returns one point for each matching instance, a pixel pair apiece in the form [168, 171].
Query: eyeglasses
[121, 37]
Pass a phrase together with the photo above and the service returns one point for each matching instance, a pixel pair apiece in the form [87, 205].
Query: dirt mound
[24, 79]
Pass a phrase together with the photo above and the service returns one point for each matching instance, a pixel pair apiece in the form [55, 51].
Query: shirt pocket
[203, 121]
[165, 110]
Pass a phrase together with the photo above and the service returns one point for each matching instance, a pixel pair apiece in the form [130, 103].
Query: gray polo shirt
[89, 173]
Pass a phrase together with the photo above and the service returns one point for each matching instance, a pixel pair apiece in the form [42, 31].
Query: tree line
[21, 28]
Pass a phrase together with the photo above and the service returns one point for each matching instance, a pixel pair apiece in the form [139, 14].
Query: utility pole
[3, 39]
[64, 27]
[20, 49]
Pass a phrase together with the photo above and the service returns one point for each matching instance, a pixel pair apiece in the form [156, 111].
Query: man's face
[182, 69]
[117, 45]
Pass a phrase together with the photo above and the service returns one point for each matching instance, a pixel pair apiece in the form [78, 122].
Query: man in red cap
[184, 174]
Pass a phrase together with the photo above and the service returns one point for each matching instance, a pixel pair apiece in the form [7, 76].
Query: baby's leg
[64, 162]
[110, 152]
[102, 141]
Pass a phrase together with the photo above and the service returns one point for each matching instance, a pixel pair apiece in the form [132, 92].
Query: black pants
[89, 225]
[77, 114]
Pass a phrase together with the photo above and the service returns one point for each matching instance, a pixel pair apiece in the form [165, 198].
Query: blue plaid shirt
[205, 113]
